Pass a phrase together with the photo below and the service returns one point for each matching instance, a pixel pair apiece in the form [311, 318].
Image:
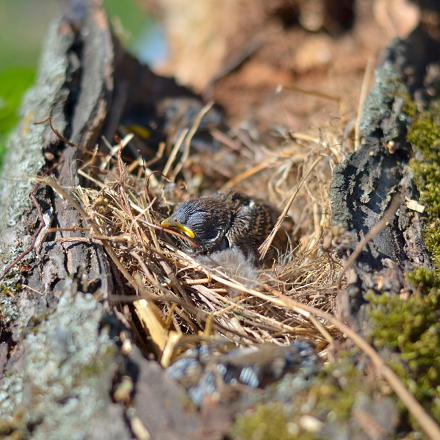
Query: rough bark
[364, 185]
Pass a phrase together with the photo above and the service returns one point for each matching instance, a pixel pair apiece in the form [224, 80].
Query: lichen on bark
[62, 391]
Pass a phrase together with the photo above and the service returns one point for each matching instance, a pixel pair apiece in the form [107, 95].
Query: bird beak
[171, 224]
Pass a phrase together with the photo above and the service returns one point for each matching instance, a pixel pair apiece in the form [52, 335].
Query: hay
[179, 299]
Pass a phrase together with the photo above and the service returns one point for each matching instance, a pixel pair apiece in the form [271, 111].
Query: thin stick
[375, 230]
[324, 332]
[305, 137]
[97, 239]
[32, 246]
[192, 282]
[263, 249]
[92, 179]
[114, 150]
[225, 140]
[362, 97]
[48, 121]
[157, 157]
[189, 138]
[174, 152]
[248, 173]
[315, 93]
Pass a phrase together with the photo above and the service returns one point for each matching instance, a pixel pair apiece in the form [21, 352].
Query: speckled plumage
[225, 221]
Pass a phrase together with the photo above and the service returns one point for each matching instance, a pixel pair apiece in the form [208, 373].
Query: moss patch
[336, 389]
[424, 279]
[265, 422]
[424, 135]
[408, 330]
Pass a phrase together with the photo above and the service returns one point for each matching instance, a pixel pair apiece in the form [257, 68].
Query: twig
[97, 239]
[92, 179]
[248, 173]
[362, 97]
[158, 156]
[115, 149]
[247, 52]
[174, 152]
[375, 230]
[56, 132]
[189, 138]
[315, 93]
[225, 140]
[305, 137]
[31, 247]
[264, 248]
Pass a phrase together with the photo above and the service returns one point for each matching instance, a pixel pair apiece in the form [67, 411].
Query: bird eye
[210, 233]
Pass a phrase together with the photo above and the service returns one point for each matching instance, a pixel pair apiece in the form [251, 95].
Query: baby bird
[223, 221]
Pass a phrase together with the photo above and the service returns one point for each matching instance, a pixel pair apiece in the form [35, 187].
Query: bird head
[205, 220]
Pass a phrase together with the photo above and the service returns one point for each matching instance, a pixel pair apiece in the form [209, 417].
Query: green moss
[410, 329]
[409, 106]
[10, 291]
[423, 278]
[336, 388]
[424, 135]
[425, 132]
[265, 422]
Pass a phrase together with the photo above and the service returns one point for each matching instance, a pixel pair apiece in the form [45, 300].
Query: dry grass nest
[177, 299]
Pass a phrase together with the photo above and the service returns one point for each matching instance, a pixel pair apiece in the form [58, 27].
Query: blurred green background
[24, 24]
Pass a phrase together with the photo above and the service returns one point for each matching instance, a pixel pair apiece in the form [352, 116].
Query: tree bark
[364, 185]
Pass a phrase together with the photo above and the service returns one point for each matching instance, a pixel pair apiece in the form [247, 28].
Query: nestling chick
[223, 221]
[234, 263]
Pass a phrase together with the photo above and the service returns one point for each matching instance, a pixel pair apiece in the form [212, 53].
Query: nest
[178, 299]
